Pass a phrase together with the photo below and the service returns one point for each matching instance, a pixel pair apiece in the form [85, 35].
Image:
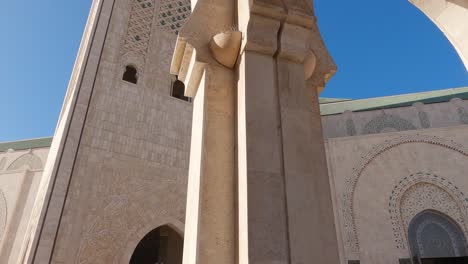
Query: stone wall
[130, 172]
[417, 116]
[382, 181]
[20, 174]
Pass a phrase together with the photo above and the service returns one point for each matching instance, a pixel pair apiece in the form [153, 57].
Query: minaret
[258, 185]
[117, 168]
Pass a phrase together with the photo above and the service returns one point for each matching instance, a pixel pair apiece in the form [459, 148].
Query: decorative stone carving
[351, 181]
[462, 115]
[120, 220]
[139, 27]
[424, 119]
[27, 161]
[350, 128]
[424, 191]
[173, 14]
[384, 121]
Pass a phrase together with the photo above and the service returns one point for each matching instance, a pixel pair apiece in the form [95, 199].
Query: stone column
[284, 210]
[203, 60]
[210, 221]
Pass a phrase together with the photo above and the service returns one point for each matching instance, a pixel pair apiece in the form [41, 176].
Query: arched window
[433, 235]
[178, 90]
[163, 245]
[130, 74]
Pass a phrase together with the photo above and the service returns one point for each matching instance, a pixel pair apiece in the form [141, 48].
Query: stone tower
[118, 164]
[116, 177]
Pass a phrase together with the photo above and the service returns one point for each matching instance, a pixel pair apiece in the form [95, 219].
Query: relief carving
[424, 191]
[351, 239]
[381, 123]
[25, 162]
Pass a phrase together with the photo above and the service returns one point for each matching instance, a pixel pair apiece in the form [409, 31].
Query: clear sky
[381, 47]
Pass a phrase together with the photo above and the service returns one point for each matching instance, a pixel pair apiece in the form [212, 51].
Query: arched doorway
[162, 245]
[436, 238]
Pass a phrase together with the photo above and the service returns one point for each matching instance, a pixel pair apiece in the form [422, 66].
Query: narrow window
[178, 90]
[130, 74]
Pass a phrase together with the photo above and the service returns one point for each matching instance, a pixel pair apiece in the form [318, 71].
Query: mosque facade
[144, 166]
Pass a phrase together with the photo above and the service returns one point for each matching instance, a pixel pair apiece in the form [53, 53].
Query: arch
[161, 245]
[445, 197]
[131, 74]
[26, 161]
[351, 181]
[113, 235]
[451, 17]
[432, 234]
[178, 90]
[379, 123]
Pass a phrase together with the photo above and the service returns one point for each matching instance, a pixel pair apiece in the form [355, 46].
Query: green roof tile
[386, 102]
[26, 144]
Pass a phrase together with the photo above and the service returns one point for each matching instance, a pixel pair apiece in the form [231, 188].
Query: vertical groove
[280, 130]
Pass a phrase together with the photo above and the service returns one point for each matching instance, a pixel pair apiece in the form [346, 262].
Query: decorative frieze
[385, 121]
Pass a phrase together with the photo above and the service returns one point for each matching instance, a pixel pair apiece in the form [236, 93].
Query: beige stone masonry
[284, 211]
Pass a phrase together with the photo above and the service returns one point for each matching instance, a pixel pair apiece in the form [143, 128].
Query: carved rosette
[424, 191]
[351, 239]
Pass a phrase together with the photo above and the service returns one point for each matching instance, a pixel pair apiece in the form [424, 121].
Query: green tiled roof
[26, 144]
[439, 96]
[325, 100]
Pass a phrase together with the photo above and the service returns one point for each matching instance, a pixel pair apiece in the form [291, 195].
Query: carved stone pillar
[278, 197]
[203, 61]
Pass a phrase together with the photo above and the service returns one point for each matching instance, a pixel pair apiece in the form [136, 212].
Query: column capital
[286, 29]
[192, 52]
[305, 46]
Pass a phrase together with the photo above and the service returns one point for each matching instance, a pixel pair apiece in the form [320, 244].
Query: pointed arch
[161, 245]
[432, 234]
[440, 195]
[352, 180]
[26, 161]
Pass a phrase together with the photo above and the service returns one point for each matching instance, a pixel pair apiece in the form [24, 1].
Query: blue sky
[381, 48]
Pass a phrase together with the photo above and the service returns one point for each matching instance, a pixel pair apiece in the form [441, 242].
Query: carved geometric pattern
[350, 128]
[3, 214]
[382, 122]
[139, 27]
[122, 216]
[352, 180]
[424, 119]
[27, 161]
[424, 191]
[462, 115]
[173, 14]
[109, 232]
[103, 239]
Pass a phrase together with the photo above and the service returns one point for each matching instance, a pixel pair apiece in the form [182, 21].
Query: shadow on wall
[462, 3]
